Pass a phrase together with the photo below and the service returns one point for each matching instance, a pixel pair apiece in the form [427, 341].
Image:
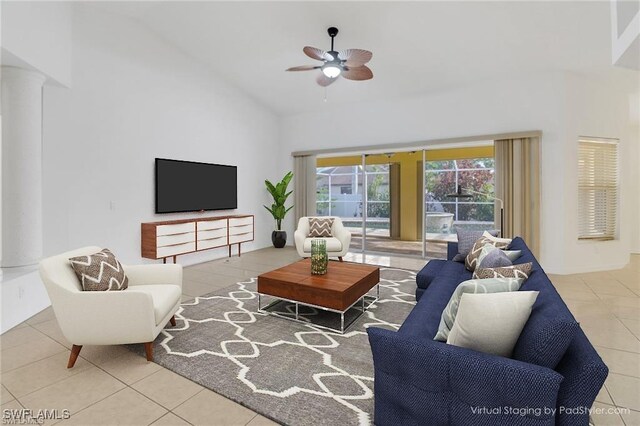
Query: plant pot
[279, 238]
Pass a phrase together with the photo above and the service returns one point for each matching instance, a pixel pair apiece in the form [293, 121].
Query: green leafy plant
[280, 195]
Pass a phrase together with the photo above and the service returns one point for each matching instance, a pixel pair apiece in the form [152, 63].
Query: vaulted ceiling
[418, 47]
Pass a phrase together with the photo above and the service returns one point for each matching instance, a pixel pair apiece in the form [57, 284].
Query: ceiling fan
[349, 63]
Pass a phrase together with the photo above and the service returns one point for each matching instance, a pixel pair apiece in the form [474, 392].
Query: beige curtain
[304, 186]
[518, 185]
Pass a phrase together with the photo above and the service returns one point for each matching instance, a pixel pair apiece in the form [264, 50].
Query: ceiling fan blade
[315, 53]
[355, 57]
[358, 73]
[303, 68]
[323, 80]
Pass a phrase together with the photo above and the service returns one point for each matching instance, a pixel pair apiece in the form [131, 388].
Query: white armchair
[134, 315]
[337, 244]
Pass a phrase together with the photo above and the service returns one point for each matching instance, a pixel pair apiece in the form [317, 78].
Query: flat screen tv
[187, 186]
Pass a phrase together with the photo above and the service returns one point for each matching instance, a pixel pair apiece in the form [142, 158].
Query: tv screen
[187, 186]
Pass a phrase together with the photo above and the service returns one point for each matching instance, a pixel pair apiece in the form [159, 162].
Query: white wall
[602, 110]
[542, 101]
[37, 35]
[135, 98]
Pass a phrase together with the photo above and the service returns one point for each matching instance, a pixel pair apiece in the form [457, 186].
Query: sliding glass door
[377, 201]
[445, 212]
[339, 192]
[401, 203]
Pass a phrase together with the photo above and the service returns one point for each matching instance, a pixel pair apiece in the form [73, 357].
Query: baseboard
[23, 296]
[564, 270]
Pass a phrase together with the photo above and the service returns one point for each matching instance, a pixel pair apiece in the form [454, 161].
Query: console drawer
[239, 221]
[212, 233]
[233, 239]
[237, 230]
[172, 240]
[176, 250]
[178, 228]
[206, 225]
[213, 242]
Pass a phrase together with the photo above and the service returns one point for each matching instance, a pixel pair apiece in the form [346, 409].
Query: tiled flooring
[111, 385]
[607, 305]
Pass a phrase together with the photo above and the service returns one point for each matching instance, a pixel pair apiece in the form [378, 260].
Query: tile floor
[111, 385]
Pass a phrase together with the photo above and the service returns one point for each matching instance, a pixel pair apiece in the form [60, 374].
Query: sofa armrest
[428, 382]
[154, 274]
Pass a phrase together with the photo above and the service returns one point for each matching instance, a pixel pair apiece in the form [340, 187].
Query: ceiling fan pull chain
[325, 94]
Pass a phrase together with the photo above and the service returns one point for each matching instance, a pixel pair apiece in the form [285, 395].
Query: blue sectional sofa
[552, 378]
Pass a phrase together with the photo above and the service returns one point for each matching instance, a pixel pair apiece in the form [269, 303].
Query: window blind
[597, 188]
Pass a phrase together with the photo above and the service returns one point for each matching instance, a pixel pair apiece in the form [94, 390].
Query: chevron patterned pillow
[521, 270]
[471, 261]
[100, 272]
[320, 226]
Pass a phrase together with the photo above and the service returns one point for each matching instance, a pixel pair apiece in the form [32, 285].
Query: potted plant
[278, 210]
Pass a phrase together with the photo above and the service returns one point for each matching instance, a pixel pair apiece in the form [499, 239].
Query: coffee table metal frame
[342, 329]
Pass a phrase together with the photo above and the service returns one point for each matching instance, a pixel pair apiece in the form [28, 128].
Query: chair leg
[173, 321]
[148, 347]
[73, 356]
[340, 258]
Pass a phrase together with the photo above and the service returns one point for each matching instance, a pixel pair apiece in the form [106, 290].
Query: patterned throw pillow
[466, 239]
[472, 258]
[522, 270]
[496, 240]
[320, 226]
[495, 285]
[492, 257]
[100, 272]
[513, 255]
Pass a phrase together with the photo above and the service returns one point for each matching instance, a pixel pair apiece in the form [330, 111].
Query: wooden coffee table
[341, 288]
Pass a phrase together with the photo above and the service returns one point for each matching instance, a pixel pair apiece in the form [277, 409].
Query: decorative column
[21, 167]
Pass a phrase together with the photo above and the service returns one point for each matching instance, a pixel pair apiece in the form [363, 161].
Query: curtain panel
[517, 178]
[304, 186]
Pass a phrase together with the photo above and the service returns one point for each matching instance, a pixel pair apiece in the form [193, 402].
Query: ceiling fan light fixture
[349, 63]
[331, 71]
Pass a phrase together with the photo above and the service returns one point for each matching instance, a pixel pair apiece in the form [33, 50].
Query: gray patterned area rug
[292, 373]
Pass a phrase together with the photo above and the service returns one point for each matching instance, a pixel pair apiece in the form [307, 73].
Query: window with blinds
[597, 188]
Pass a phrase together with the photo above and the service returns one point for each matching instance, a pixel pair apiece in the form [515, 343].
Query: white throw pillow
[489, 285]
[492, 322]
[496, 239]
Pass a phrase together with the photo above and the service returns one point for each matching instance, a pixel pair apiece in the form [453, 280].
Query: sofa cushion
[520, 270]
[320, 226]
[491, 322]
[429, 272]
[513, 255]
[333, 244]
[491, 285]
[471, 261]
[164, 296]
[492, 257]
[498, 242]
[100, 271]
[466, 239]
